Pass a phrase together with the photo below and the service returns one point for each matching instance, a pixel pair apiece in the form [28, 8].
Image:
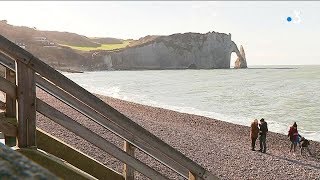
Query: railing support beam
[10, 108]
[128, 171]
[26, 105]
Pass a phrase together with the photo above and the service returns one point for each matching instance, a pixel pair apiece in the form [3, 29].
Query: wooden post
[2, 105]
[26, 105]
[10, 106]
[192, 176]
[128, 172]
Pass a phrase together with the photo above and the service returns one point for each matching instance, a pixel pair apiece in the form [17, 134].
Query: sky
[261, 27]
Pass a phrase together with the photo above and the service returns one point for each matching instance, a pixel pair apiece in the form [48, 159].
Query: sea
[279, 94]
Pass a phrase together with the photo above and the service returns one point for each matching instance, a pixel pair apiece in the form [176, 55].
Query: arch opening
[233, 59]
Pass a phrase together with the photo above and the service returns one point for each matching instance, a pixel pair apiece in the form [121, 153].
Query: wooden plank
[26, 107]
[98, 118]
[7, 87]
[10, 101]
[7, 61]
[8, 126]
[58, 148]
[16, 52]
[10, 107]
[2, 105]
[61, 169]
[209, 176]
[71, 87]
[95, 139]
[128, 171]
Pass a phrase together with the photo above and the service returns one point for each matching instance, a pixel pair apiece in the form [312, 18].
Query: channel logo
[296, 18]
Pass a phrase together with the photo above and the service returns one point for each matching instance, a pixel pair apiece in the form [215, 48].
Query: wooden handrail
[7, 61]
[99, 106]
[98, 118]
[95, 139]
[105, 122]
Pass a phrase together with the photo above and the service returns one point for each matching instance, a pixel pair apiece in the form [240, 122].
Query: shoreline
[221, 147]
[254, 99]
[202, 113]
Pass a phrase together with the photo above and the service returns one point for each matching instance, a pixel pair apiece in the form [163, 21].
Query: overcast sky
[261, 27]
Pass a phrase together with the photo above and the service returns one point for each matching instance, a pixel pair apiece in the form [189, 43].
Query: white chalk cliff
[178, 51]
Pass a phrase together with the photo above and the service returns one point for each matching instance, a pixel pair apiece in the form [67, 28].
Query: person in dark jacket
[263, 135]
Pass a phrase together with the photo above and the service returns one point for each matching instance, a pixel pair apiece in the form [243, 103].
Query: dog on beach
[304, 144]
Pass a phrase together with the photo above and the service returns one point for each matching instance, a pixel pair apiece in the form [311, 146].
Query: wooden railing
[30, 72]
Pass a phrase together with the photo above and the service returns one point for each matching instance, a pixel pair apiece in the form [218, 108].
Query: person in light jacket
[254, 133]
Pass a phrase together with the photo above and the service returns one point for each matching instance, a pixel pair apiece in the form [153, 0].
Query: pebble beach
[222, 148]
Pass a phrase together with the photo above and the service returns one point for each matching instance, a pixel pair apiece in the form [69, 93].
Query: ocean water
[279, 94]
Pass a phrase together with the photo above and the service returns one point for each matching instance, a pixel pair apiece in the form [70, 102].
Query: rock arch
[241, 61]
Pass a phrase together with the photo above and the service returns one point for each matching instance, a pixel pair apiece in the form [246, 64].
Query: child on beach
[294, 136]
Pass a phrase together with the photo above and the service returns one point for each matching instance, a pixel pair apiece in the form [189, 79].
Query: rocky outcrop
[241, 61]
[178, 51]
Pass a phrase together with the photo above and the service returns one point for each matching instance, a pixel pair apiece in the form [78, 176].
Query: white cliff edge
[179, 51]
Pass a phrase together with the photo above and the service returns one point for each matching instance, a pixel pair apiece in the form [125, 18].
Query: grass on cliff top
[102, 47]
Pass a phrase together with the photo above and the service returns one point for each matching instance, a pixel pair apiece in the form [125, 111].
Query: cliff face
[177, 51]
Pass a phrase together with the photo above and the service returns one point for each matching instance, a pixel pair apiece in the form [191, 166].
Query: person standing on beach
[294, 136]
[254, 133]
[263, 135]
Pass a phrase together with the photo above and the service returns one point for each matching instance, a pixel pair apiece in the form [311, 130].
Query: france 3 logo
[296, 18]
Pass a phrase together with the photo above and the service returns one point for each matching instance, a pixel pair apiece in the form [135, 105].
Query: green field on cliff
[102, 47]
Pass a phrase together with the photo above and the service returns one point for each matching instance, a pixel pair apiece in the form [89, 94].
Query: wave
[273, 126]
[115, 92]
